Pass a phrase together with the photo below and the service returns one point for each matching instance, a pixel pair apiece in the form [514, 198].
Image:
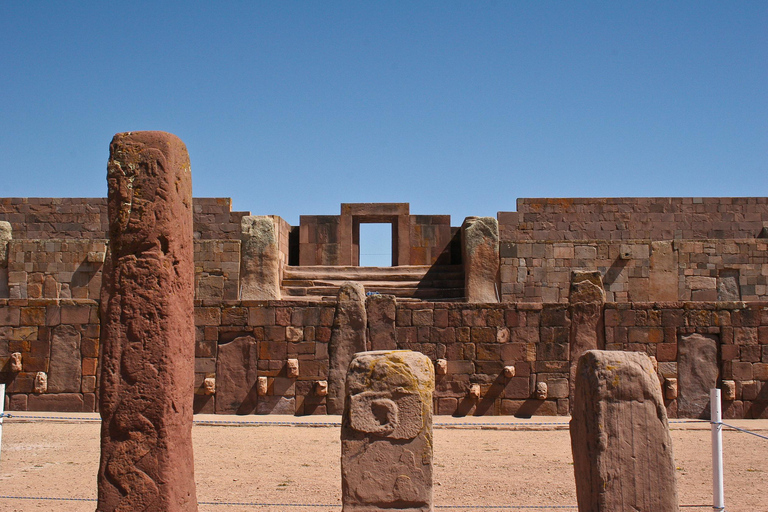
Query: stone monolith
[147, 328]
[480, 254]
[386, 433]
[697, 372]
[622, 450]
[586, 299]
[259, 259]
[347, 338]
[6, 235]
[381, 311]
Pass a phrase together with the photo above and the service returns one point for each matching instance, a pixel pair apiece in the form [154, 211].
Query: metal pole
[2, 411]
[716, 419]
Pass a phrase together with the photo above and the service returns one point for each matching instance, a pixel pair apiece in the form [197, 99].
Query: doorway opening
[376, 244]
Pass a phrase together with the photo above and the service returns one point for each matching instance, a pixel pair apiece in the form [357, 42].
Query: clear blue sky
[456, 107]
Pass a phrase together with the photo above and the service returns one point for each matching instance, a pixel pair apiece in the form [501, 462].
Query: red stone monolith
[622, 450]
[147, 328]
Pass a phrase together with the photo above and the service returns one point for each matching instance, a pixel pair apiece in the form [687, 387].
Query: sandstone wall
[86, 217]
[476, 341]
[656, 218]
[637, 270]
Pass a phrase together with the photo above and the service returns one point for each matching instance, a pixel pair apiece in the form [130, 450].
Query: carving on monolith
[381, 311]
[259, 259]
[622, 450]
[347, 338]
[386, 433]
[147, 328]
[585, 310]
[480, 254]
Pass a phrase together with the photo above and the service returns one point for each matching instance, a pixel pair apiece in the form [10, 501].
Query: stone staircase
[414, 282]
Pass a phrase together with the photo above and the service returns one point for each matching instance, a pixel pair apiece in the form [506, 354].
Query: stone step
[455, 283]
[361, 274]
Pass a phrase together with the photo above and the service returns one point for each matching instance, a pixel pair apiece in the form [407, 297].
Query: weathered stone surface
[585, 309]
[321, 388]
[697, 373]
[41, 383]
[347, 338]
[662, 276]
[292, 368]
[260, 259]
[729, 390]
[262, 386]
[670, 388]
[6, 235]
[16, 362]
[381, 310]
[480, 254]
[542, 390]
[209, 386]
[65, 370]
[728, 286]
[147, 329]
[236, 367]
[386, 433]
[622, 450]
[509, 371]
[441, 367]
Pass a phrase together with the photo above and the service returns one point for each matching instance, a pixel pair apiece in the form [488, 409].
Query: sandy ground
[285, 466]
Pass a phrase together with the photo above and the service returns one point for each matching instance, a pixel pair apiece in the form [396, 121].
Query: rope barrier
[329, 505]
[743, 430]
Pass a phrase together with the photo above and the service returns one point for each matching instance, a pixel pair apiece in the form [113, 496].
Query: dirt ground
[296, 467]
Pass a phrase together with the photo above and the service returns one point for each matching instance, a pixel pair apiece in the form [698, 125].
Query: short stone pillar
[147, 328]
[259, 259]
[622, 450]
[347, 338]
[386, 433]
[480, 254]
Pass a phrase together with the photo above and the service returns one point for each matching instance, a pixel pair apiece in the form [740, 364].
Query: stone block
[619, 435]
[260, 259]
[381, 316]
[236, 367]
[386, 434]
[480, 255]
[697, 374]
[65, 368]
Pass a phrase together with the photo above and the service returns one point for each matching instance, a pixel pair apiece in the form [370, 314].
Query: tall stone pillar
[259, 259]
[585, 307]
[147, 328]
[5, 238]
[622, 450]
[386, 433]
[480, 254]
[347, 338]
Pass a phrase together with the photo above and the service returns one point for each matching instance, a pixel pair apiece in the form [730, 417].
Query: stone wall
[86, 218]
[53, 269]
[57, 337]
[655, 218]
[476, 342]
[637, 270]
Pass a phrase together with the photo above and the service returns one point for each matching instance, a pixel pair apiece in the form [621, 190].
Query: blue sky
[456, 107]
